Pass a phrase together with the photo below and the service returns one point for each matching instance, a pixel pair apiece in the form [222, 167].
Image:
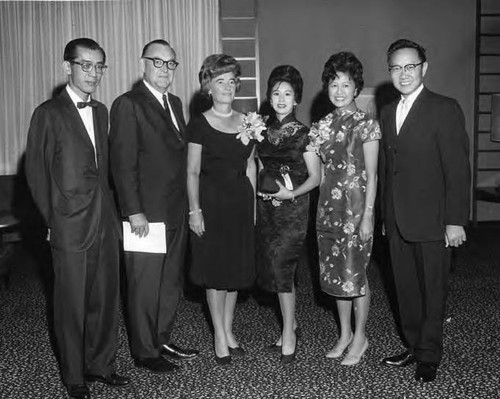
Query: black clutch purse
[266, 183]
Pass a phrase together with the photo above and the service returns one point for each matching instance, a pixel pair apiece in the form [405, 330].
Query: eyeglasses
[88, 66]
[158, 63]
[408, 68]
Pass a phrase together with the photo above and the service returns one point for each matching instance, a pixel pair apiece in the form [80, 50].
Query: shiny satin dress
[343, 257]
[282, 225]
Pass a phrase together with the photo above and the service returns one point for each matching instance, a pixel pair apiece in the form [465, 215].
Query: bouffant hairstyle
[405, 43]
[345, 62]
[215, 65]
[288, 74]
[82, 42]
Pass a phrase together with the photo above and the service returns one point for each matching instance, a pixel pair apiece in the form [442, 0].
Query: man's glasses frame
[88, 66]
[408, 68]
[158, 63]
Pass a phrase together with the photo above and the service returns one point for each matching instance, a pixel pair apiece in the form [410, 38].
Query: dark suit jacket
[424, 171]
[66, 185]
[148, 160]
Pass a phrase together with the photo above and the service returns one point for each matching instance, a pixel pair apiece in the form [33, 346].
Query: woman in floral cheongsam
[347, 141]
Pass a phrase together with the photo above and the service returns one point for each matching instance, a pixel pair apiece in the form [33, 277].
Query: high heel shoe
[287, 359]
[237, 351]
[275, 348]
[222, 361]
[338, 350]
[352, 360]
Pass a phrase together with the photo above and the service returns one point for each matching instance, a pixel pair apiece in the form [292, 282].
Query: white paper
[155, 242]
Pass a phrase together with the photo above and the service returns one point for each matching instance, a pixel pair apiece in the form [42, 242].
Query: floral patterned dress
[338, 138]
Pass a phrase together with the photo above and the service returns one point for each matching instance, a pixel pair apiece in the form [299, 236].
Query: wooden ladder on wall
[486, 164]
[239, 39]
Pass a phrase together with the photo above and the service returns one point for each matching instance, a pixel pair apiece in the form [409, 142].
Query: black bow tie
[91, 103]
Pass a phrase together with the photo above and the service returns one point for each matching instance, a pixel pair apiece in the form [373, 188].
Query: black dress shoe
[287, 359]
[157, 365]
[78, 391]
[401, 360]
[223, 361]
[238, 351]
[426, 372]
[275, 348]
[114, 379]
[175, 352]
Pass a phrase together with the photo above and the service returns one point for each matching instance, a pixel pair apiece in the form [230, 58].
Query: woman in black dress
[221, 189]
[282, 217]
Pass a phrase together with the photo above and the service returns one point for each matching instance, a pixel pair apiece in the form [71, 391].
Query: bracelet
[195, 211]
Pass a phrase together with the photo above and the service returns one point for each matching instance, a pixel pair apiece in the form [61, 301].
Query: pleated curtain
[33, 35]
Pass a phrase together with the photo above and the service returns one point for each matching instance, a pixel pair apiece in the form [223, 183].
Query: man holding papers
[148, 163]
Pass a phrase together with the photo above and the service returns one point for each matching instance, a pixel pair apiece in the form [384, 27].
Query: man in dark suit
[148, 162]
[67, 171]
[425, 178]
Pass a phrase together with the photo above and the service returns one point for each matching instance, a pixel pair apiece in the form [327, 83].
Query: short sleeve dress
[224, 257]
[343, 258]
[282, 225]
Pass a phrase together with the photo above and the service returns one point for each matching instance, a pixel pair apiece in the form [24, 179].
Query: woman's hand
[197, 224]
[366, 227]
[283, 194]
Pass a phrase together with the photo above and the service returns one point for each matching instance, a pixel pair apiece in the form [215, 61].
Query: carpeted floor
[470, 367]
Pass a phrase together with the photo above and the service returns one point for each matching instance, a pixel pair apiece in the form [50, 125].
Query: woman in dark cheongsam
[220, 183]
[347, 141]
[282, 217]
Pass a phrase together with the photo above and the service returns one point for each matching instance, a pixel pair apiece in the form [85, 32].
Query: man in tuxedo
[148, 163]
[425, 180]
[67, 171]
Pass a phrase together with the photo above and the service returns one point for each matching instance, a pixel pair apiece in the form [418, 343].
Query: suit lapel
[413, 115]
[100, 133]
[391, 120]
[74, 118]
[154, 103]
[178, 115]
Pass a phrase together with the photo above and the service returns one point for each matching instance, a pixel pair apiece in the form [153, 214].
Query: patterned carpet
[470, 367]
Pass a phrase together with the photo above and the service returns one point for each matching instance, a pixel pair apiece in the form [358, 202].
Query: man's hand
[139, 224]
[454, 235]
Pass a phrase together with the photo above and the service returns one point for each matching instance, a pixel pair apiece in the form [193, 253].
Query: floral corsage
[251, 128]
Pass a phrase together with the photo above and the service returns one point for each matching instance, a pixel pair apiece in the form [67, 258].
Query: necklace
[220, 114]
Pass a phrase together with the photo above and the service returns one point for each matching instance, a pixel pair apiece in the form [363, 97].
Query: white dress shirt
[159, 97]
[86, 115]
[404, 107]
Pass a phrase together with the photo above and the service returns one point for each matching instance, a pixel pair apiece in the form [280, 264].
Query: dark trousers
[421, 272]
[154, 287]
[86, 296]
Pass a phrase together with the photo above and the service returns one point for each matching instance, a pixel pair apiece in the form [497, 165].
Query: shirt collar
[156, 93]
[75, 97]
[286, 119]
[410, 99]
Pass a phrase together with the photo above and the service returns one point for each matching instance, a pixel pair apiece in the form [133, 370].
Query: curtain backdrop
[33, 35]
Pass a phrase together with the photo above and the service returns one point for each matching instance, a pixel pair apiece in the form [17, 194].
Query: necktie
[169, 116]
[83, 104]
